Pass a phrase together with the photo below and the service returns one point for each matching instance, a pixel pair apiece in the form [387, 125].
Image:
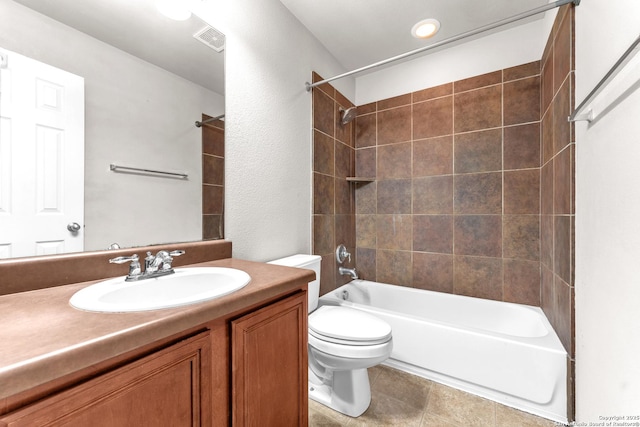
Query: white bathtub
[505, 352]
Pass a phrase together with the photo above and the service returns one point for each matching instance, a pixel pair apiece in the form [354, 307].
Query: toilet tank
[312, 262]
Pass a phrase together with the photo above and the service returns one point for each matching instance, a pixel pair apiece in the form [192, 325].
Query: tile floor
[400, 399]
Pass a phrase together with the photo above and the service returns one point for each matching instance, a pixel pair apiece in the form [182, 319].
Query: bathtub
[501, 351]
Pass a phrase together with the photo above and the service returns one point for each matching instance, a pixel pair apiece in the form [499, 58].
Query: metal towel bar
[117, 168]
[624, 59]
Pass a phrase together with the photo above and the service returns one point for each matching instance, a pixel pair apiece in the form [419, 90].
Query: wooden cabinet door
[269, 365]
[168, 388]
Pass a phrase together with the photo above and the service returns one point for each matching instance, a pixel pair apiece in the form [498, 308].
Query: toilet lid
[348, 324]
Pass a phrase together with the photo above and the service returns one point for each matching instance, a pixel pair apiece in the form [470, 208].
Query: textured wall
[268, 178]
[607, 276]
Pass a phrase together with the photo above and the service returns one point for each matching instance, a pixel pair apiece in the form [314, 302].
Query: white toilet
[343, 343]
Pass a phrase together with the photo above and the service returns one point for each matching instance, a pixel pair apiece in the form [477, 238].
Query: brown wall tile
[344, 161]
[433, 272]
[562, 110]
[479, 235]
[323, 113]
[433, 92]
[522, 191]
[394, 232]
[396, 101]
[433, 118]
[213, 138]
[478, 151]
[323, 194]
[212, 199]
[564, 313]
[394, 161]
[366, 262]
[522, 146]
[343, 196]
[478, 193]
[433, 195]
[478, 109]
[323, 153]
[521, 237]
[522, 281]
[433, 233]
[433, 156]
[345, 231]
[478, 81]
[212, 170]
[323, 234]
[477, 276]
[522, 101]
[394, 196]
[547, 135]
[366, 162]
[393, 267]
[562, 247]
[365, 130]
[521, 71]
[562, 51]
[563, 177]
[546, 240]
[366, 231]
[397, 126]
[366, 198]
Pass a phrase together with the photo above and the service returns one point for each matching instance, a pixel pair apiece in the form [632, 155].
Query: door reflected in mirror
[146, 80]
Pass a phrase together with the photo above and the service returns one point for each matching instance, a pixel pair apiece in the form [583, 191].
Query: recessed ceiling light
[425, 28]
[173, 9]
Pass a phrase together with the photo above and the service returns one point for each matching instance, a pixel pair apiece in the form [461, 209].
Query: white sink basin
[186, 286]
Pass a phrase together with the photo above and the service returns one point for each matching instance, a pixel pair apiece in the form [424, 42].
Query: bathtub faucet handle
[342, 254]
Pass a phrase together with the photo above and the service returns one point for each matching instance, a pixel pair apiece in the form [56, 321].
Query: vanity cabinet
[170, 387]
[246, 369]
[269, 365]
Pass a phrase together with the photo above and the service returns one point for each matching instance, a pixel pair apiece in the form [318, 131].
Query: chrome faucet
[154, 265]
[350, 271]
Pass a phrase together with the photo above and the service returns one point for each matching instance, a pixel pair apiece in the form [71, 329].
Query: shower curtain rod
[461, 36]
[210, 119]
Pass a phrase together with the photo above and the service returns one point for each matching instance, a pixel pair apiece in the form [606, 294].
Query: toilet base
[348, 392]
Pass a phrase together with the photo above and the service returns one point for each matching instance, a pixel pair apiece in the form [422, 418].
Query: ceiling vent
[211, 37]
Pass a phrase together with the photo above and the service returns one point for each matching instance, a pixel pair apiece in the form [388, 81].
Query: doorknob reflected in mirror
[73, 227]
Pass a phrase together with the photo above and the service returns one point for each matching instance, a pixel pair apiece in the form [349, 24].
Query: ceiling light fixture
[173, 9]
[425, 28]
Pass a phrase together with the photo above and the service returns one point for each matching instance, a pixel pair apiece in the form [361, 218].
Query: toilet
[343, 343]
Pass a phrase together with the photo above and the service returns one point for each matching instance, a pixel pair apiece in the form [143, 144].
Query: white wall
[136, 114]
[607, 220]
[496, 51]
[269, 57]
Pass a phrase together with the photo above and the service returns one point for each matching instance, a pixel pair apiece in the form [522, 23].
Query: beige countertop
[43, 338]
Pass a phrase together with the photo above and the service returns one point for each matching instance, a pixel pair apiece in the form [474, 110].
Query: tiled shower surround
[473, 189]
[456, 202]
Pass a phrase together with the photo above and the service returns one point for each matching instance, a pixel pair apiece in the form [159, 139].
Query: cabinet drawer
[167, 388]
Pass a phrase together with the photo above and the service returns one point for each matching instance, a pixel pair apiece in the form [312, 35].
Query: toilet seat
[348, 326]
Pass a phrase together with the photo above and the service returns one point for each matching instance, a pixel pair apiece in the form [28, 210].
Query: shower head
[347, 115]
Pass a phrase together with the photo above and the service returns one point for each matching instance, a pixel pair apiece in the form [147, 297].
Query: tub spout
[348, 271]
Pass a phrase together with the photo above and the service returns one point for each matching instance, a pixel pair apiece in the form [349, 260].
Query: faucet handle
[342, 254]
[122, 259]
[134, 267]
[168, 259]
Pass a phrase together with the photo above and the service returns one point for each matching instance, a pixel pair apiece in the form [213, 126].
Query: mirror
[145, 80]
